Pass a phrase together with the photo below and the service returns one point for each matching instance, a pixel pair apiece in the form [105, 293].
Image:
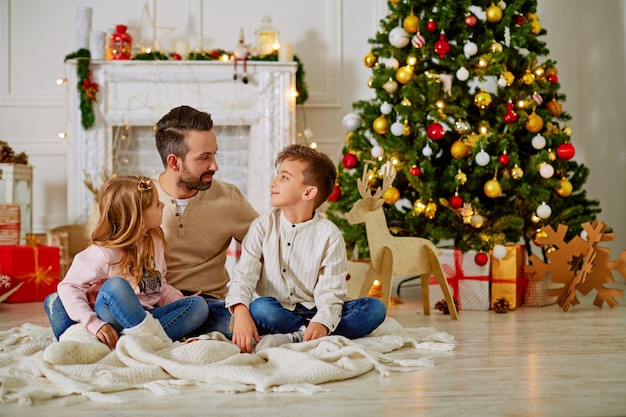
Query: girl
[117, 285]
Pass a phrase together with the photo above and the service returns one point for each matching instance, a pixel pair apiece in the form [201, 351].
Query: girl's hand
[108, 335]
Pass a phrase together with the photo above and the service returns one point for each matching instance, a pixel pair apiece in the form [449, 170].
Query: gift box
[468, 281]
[507, 277]
[537, 291]
[35, 267]
[9, 224]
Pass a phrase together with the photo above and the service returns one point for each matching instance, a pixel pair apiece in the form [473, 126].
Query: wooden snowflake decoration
[579, 265]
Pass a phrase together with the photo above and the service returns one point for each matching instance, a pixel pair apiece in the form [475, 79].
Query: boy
[290, 282]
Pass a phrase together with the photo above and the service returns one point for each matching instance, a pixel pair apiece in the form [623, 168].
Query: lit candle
[285, 53]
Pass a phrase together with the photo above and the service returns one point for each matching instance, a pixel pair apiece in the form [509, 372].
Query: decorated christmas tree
[467, 106]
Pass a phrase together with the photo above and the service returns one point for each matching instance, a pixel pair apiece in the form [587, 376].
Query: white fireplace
[253, 121]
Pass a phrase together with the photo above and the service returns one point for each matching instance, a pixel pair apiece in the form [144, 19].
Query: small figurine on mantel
[241, 53]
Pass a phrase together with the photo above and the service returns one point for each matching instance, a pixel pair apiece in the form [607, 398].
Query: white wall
[587, 40]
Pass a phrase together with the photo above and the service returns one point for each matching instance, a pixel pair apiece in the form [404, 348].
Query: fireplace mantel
[139, 93]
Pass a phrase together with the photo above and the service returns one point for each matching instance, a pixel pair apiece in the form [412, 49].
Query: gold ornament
[431, 210]
[494, 13]
[517, 172]
[370, 59]
[419, 207]
[528, 78]
[540, 233]
[567, 130]
[554, 107]
[461, 177]
[380, 125]
[390, 86]
[459, 149]
[460, 126]
[492, 188]
[370, 82]
[411, 60]
[410, 23]
[535, 26]
[406, 131]
[440, 104]
[551, 71]
[391, 195]
[509, 77]
[482, 99]
[551, 155]
[405, 102]
[349, 137]
[496, 47]
[477, 221]
[534, 123]
[565, 189]
[404, 74]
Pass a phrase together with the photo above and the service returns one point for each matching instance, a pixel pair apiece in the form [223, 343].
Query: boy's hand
[314, 331]
[244, 329]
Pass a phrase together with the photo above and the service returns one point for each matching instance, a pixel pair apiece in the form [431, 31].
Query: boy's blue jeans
[118, 305]
[359, 317]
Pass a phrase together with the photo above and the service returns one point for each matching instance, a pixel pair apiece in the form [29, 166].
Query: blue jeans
[359, 317]
[118, 305]
[219, 318]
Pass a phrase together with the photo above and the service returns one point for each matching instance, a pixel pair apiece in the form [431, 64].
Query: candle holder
[266, 38]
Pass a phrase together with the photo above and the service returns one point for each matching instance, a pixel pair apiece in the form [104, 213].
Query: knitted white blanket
[216, 365]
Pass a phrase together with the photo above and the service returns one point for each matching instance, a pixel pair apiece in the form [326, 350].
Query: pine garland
[82, 57]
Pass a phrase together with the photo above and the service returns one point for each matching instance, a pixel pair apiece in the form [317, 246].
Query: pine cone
[21, 158]
[501, 306]
[443, 306]
[6, 153]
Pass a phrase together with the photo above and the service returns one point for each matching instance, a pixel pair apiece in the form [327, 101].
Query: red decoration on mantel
[121, 43]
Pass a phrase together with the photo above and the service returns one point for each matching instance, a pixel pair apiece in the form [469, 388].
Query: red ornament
[470, 20]
[91, 89]
[456, 201]
[415, 171]
[520, 19]
[431, 25]
[504, 159]
[566, 151]
[121, 43]
[510, 116]
[335, 195]
[177, 57]
[349, 161]
[552, 78]
[481, 259]
[442, 47]
[434, 131]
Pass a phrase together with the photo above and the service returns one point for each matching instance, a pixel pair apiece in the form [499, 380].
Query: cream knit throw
[215, 365]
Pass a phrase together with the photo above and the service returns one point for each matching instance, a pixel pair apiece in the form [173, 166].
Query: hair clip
[144, 184]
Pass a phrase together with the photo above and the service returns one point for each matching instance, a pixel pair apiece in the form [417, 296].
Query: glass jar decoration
[266, 38]
[120, 43]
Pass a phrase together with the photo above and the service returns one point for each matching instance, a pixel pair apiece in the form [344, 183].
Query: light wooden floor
[529, 362]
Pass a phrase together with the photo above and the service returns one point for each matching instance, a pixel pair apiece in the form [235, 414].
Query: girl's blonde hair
[122, 201]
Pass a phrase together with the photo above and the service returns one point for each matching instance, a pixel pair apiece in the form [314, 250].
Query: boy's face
[287, 187]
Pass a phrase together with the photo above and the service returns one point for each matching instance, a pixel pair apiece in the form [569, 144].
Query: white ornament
[502, 82]
[477, 220]
[544, 211]
[482, 158]
[502, 4]
[546, 170]
[499, 251]
[537, 98]
[399, 37]
[351, 121]
[389, 62]
[397, 128]
[390, 86]
[377, 151]
[538, 142]
[462, 74]
[427, 150]
[418, 41]
[470, 49]
[308, 133]
[386, 108]
[583, 235]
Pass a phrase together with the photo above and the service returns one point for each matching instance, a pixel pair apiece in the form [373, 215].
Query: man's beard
[190, 183]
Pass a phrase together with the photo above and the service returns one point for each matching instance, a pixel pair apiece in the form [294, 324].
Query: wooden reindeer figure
[411, 256]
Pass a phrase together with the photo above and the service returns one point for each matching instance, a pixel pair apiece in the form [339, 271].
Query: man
[201, 215]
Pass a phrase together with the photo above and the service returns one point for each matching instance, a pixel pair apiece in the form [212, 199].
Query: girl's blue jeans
[118, 305]
[359, 317]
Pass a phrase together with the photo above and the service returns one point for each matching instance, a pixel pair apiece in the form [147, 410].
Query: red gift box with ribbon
[508, 280]
[468, 281]
[35, 266]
